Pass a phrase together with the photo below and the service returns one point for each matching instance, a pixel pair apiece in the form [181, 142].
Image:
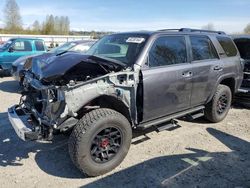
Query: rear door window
[168, 50]
[39, 46]
[202, 48]
[228, 46]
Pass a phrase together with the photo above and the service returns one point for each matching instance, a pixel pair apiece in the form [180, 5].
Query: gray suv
[126, 81]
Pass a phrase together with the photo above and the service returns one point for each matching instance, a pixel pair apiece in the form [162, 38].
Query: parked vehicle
[77, 46]
[127, 81]
[18, 47]
[243, 44]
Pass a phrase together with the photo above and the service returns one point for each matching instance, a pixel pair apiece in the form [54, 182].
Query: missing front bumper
[19, 122]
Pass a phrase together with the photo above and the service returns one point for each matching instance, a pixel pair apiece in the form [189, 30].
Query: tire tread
[84, 124]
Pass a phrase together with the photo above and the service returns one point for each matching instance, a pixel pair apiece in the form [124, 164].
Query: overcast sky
[126, 15]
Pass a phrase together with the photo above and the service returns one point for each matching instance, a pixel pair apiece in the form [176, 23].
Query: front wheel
[218, 108]
[100, 141]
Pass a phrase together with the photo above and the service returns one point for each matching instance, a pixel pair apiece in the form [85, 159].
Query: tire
[4, 73]
[216, 110]
[88, 135]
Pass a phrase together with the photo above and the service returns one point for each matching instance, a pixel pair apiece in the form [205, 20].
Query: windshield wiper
[63, 52]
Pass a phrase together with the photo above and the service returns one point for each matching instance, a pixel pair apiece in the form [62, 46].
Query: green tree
[48, 25]
[247, 29]
[57, 27]
[67, 25]
[13, 19]
[64, 25]
[36, 28]
[93, 35]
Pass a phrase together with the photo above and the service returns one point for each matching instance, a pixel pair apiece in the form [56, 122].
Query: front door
[167, 81]
[19, 48]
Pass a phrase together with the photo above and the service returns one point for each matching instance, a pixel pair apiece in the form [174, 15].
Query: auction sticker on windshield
[137, 40]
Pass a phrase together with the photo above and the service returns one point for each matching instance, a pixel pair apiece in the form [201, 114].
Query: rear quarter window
[228, 46]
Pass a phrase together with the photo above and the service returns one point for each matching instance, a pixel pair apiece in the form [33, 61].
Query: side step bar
[162, 120]
[195, 115]
[244, 90]
[169, 126]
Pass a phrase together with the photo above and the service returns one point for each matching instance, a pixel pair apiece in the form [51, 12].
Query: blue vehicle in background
[17, 47]
[80, 46]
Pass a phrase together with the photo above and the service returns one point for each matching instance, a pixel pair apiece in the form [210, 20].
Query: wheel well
[112, 103]
[230, 82]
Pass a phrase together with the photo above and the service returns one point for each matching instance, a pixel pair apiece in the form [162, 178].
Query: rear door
[167, 78]
[207, 68]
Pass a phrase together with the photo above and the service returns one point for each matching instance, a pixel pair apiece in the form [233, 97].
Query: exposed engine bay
[58, 104]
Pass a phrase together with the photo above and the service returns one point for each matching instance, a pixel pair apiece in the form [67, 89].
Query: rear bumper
[18, 121]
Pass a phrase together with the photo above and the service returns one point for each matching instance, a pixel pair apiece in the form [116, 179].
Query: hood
[71, 65]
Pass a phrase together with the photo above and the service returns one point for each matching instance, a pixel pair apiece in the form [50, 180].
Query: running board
[173, 124]
[244, 90]
[194, 116]
[168, 118]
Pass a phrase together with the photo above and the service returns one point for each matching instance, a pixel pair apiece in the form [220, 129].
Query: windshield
[122, 47]
[6, 45]
[64, 47]
[82, 47]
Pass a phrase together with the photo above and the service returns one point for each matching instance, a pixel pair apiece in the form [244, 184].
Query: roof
[179, 31]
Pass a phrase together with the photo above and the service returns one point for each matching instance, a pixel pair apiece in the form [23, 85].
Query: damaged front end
[55, 103]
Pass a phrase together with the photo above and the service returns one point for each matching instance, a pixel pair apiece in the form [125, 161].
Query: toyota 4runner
[126, 81]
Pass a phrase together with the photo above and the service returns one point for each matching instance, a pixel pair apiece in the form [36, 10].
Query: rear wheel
[100, 141]
[218, 108]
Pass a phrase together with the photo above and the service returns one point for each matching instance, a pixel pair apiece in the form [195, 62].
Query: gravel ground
[197, 154]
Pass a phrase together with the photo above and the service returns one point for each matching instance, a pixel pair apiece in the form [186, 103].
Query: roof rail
[169, 30]
[194, 30]
[201, 31]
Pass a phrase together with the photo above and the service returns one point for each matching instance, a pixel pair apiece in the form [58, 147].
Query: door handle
[187, 74]
[218, 68]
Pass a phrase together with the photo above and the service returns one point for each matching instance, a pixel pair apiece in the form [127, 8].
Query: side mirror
[11, 49]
